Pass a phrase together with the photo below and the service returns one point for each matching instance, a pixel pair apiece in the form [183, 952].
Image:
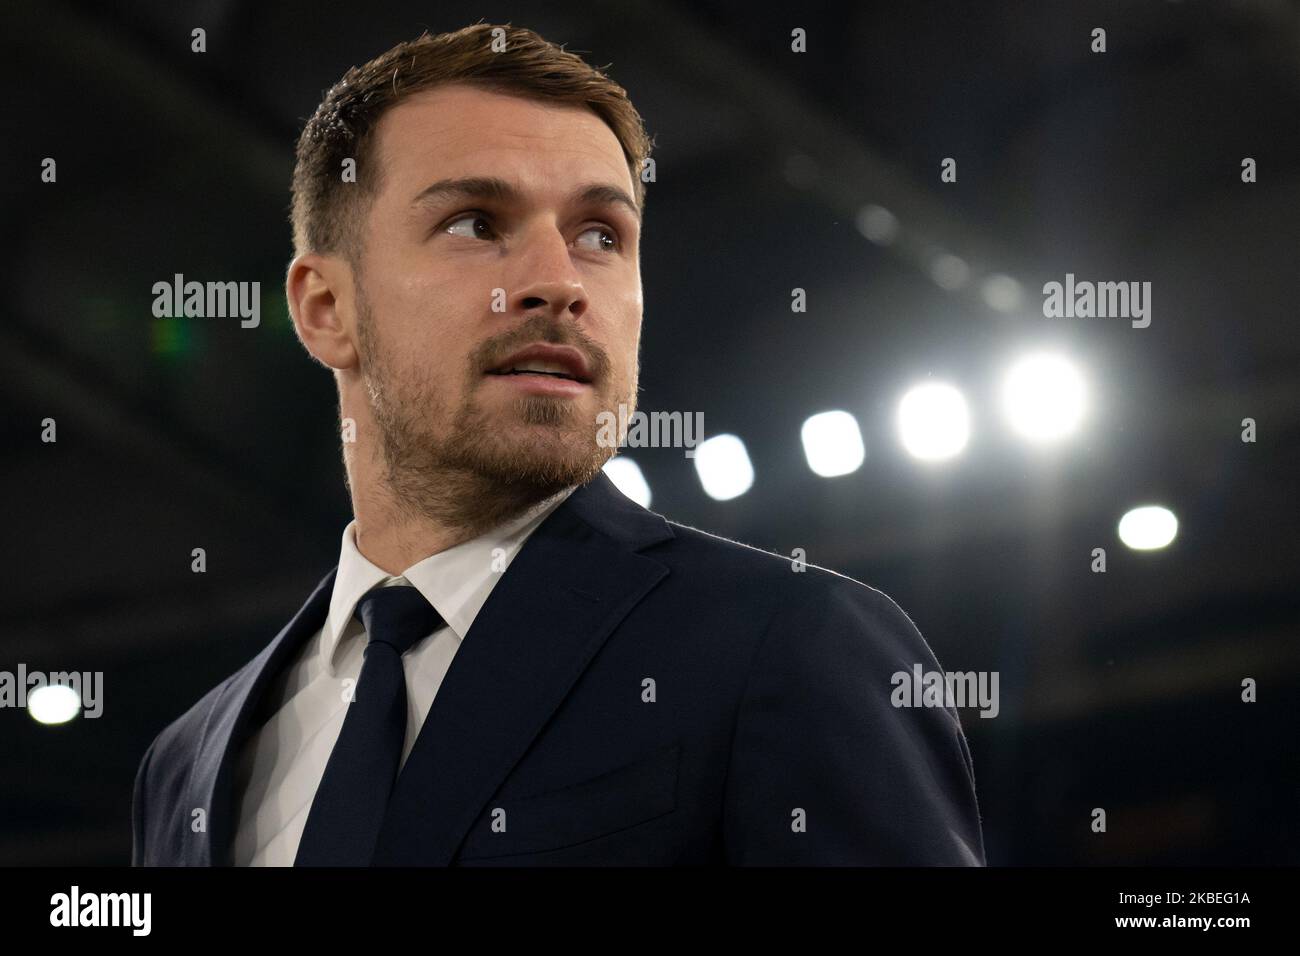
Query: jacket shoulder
[162, 778]
[788, 577]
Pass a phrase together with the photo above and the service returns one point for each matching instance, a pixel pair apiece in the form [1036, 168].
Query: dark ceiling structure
[1119, 690]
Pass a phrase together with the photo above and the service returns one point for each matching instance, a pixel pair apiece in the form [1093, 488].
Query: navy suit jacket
[634, 692]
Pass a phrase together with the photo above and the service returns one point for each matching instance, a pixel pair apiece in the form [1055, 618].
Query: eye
[469, 226]
[607, 233]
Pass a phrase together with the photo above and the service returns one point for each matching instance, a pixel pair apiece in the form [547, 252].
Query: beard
[489, 463]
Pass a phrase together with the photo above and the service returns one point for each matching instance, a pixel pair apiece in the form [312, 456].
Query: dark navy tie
[348, 810]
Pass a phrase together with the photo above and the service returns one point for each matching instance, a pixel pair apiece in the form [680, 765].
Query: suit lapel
[575, 579]
[211, 779]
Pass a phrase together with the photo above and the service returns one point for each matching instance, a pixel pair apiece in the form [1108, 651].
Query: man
[513, 663]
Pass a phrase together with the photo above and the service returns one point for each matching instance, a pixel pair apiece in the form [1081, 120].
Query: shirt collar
[456, 582]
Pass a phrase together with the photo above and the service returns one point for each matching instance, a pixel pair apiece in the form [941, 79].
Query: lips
[556, 361]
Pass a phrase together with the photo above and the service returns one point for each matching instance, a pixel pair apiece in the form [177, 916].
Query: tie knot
[398, 616]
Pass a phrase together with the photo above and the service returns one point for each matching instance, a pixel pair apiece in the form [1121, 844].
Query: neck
[394, 531]
[406, 511]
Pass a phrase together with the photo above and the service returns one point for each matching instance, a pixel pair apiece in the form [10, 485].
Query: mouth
[539, 383]
[537, 371]
[542, 362]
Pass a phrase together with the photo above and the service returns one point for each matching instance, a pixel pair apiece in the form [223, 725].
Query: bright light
[627, 478]
[832, 443]
[1148, 528]
[724, 468]
[53, 704]
[933, 422]
[1044, 397]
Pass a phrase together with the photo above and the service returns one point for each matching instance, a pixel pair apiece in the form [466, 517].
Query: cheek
[432, 319]
[625, 330]
[631, 341]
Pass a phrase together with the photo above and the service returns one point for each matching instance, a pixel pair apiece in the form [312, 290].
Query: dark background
[1118, 690]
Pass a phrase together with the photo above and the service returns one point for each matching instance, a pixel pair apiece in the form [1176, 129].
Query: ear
[319, 289]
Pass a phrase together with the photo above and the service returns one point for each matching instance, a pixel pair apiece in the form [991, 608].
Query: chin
[545, 456]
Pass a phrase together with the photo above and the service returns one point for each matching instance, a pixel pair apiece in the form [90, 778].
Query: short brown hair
[327, 212]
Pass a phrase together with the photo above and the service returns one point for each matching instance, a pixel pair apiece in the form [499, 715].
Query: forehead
[459, 130]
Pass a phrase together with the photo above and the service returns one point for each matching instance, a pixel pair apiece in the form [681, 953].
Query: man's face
[462, 286]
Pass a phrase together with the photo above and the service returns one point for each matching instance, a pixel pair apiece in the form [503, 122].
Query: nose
[546, 279]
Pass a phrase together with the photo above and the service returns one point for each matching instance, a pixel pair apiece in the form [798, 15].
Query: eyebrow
[491, 187]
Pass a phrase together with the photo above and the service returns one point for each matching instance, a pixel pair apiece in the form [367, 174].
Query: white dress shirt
[282, 764]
